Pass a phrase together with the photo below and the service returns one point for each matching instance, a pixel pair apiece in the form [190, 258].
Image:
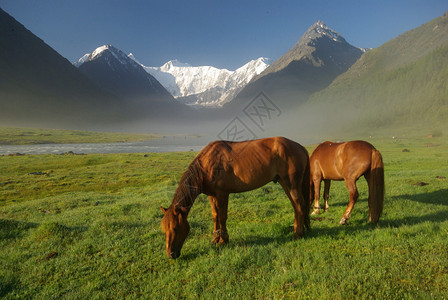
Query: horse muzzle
[174, 254]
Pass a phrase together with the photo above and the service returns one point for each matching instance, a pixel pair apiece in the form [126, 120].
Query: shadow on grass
[439, 197]
[7, 285]
[414, 220]
[12, 229]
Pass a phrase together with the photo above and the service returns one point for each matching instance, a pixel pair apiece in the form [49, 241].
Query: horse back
[249, 164]
[337, 161]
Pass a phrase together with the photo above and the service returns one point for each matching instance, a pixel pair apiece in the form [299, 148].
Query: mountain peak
[132, 56]
[320, 55]
[118, 73]
[109, 53]
[100, 50]
[320, 23]
[176, 63]
[320, 29]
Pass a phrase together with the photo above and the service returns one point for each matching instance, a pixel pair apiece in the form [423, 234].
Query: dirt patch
[420, 183]
[50, 255]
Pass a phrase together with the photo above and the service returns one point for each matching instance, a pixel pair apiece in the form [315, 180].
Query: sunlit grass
[29, 136]
[90, 227]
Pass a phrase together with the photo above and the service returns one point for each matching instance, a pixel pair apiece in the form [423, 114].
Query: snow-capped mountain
[111, 69]
[204, 85]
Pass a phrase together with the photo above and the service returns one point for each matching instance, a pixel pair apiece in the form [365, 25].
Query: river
[166, 144]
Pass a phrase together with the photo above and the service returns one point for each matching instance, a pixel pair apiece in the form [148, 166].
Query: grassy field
[88, 226]
[29, 136]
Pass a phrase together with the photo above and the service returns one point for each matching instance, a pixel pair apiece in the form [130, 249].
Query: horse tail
[376, 186]
[306, 192]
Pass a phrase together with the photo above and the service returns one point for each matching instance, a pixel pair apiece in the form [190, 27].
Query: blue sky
[225, 34]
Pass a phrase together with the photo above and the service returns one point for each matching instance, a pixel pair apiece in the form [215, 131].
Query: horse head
[176, 228]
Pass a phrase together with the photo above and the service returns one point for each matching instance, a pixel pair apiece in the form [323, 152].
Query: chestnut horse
[348, 161]
[224, 167]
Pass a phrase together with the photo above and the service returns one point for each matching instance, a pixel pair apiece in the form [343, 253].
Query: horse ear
[176, 210]
[163, 209]
[181, 210]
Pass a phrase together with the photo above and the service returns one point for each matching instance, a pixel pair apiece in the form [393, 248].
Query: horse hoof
[297, 236]
[343, 221]
[315, 212]
[222, 241]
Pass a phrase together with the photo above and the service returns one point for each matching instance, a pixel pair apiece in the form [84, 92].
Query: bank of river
[166, 144]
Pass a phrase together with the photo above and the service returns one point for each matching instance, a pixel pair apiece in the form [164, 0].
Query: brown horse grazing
[348, 161]
[224, 167]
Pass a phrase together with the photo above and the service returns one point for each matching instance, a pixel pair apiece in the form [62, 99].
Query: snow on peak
[82, 60]
[206, 85]
[99, 50]
[113, 56]
[183, 80]
[192, 80]
[320, 29]
[175, 63]
[255, 66]
[119, 55]
[131, 56]
[320, 24]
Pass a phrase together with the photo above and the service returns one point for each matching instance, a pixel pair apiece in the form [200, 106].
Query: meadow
[88, 227]
[30, 136]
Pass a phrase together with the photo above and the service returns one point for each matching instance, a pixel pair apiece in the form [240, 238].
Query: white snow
[98, 51]
[182, 79]
[81, 60]
[206, 85]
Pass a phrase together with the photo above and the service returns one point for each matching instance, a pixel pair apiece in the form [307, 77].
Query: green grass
[29, 136]
[90, 228]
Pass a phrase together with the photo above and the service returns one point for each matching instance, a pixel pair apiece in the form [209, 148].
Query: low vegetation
[83, 226]
[402, 83]
[29, 136]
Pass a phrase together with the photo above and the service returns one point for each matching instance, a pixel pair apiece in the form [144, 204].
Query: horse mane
[190, 185]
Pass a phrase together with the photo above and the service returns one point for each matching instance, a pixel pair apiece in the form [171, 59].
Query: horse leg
[353, 192]
[367, 177]
[294, 192]
[316, 182]
[219, 206]
[327, 184]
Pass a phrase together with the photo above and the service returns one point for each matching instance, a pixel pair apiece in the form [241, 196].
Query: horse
[348, 161]
[225, 167]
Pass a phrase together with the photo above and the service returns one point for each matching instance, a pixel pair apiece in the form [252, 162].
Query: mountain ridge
[40, 87]
[114, 71]
[320, 55]
[401, 84]
[195, 85]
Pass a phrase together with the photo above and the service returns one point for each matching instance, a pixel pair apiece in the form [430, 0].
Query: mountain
[205, 85]
[114, 71]
[38, 87]
[310, 65]
[401, 84]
